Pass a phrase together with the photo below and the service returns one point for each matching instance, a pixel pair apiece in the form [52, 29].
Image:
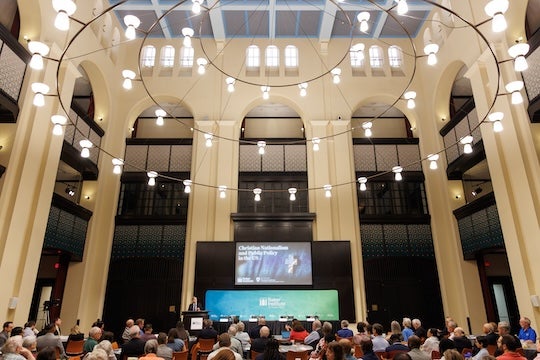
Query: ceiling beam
[159, 12]
[327, 22]
[216, 20]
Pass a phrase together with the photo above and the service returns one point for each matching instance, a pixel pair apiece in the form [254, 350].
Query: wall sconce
[476, 191]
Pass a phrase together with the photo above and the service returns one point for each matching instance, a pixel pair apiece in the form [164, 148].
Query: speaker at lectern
[193, 320]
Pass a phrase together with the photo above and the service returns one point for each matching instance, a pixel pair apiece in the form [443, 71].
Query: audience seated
[30, 329]
[163, 351]
[183, 334]
[367, 348]
[150, 350]
[224, 342]
[419, 330]
[481, 343]
[346, 344]
[379, 341]
[236, 345]
[271, 351]
[432, 342]
[318, 352]
[208, 332]
[93, 338]
[345, 332]
[298, 332]
[396, 345]
[255, 332]
[49, 339]
[6, 332]
[259, 344]
[460, 340]
[335, 351]
[243, 336]
[135, 346]
[148, 335]
[75, 334]
[106, 346]
[173, 342]
[125, 334]
[446, 344]
[13, 349]
[407, 331]
[415, 353]
[509, 347]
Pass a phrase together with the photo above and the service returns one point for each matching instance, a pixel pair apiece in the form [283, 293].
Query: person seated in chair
[208, 332]
[345, 332]
[49, 339]
[224, 342]
[259, 344]
[460, 340]
[415, 353]
[271, 351]
[163, 350]
[396, 345]
[135, 346]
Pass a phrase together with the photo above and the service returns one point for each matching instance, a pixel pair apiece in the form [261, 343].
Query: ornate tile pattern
[181, 158]
[250, 160]
[94, 152]
[479, 231]
[531, 77]
[295, 158]
[452, 149]
[396, 240]
[66, 232]
[139, 241]
[273, 159]
[364, 158]
[135, 157]
[12, 70]
[158, 157]
[386, 157]
[409, 154]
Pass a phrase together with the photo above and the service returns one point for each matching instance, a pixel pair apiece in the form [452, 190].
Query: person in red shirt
[298, 332]
[509, 347]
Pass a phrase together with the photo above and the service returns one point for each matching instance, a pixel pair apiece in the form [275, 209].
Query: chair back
[435, 355]
[180, 355]
[358, 352]
[114, 345]
[206, 344]
[295, 355]
[74, 347]
[390, 355]
[253, 354]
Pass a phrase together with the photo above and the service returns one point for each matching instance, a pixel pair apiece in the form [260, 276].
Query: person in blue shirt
[345, 332]
[526, 333]
[407, 331]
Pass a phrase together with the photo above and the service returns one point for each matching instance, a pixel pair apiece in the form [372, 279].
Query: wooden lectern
[193, 321]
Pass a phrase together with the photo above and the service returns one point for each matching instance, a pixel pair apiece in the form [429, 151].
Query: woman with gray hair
[13, 349]
[150, 350]
[106, 346]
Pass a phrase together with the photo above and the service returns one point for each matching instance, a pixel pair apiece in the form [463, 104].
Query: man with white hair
[419, 330]
[135, 346]
[13, 349]
[125, 334]
[93, 337]
[236, 345]
[315, 335]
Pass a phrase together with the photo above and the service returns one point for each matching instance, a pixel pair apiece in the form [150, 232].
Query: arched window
[356, 53]
[167, 56]
[186, 56]
[395, 56]
[253, 56]
[376, 58]
[291, 56]
[272, 56]
[148, 56]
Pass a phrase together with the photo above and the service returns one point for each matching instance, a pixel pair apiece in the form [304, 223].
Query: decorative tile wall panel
[158, 157]
[250, 160]
[12, 70]
[364, 158]
[181, 158]
[66, 232]
[273, 158]
[135, 157]
[386, 157]
[531, 77]
[295, 158]
[409, 154]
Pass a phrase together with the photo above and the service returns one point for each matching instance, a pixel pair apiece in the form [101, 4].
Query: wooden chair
[295, 355]
[74, 347]
[115, 345]
[205, 348]
[358, 352]
[435, 355]
[253, 354]
[491, 349]
[390, 355]
[180, 355]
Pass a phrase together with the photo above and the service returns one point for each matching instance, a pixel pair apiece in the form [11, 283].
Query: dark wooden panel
[146, 288]
[278, 230]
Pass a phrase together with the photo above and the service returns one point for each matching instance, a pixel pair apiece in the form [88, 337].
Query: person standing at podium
[195, 305]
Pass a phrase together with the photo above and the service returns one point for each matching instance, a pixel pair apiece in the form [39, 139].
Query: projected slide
[273, 263]
[272, 304]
